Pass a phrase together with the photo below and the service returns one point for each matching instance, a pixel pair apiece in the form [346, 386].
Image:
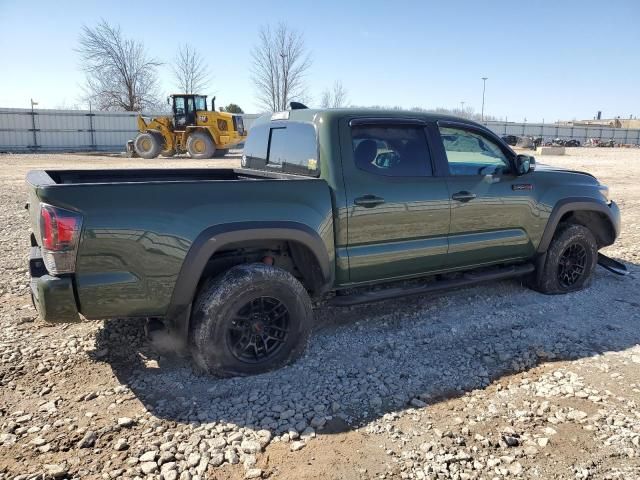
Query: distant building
[633, 123]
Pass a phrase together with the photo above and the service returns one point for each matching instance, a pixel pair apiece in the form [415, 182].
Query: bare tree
[334, 98]
[190, 71]
[280, 63]
[119, 73]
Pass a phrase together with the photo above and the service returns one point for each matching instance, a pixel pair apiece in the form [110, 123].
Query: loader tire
[146, 145]
[200, 146]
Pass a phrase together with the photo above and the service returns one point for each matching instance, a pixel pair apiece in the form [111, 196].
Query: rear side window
[394, 150]
[289, 147]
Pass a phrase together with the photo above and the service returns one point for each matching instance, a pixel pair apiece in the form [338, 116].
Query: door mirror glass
[525, 164]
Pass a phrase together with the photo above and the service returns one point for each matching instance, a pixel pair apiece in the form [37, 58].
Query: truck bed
[139, 224]
[80, 177]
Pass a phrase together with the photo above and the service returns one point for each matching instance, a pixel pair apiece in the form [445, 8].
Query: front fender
[574, 204]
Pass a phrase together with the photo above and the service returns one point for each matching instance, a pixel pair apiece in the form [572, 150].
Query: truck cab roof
[314, 114]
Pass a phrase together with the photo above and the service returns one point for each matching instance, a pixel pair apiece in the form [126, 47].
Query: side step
[435, 286]
[612, 265]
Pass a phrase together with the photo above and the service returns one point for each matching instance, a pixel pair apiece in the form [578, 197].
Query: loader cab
[185, 108]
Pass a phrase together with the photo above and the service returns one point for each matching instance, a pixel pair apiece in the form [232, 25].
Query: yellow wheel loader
[192, 129]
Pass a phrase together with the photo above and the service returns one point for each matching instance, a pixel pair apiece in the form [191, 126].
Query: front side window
[393, 150]
[179, 105]
[470, 153]
[201, 103]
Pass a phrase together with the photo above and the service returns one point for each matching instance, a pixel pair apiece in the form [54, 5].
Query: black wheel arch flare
[214, 239]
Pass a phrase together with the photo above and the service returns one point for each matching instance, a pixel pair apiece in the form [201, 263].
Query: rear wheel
[571, 260]
[251, 319]
[147, 145]
[200, 145]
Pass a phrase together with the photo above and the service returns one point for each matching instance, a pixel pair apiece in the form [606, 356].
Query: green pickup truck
[326, 203]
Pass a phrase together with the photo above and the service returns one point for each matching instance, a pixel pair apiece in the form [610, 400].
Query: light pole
[462, 107]
[33, 123]
[484, 86]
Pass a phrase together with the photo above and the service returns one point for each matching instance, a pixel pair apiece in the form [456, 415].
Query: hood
[540, 167]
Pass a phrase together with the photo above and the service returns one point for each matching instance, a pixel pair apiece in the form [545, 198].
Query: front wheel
[571, 259]
[251, 319]
[200, 146]
[146, 145]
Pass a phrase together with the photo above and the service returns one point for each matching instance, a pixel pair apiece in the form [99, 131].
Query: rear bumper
[52, 296]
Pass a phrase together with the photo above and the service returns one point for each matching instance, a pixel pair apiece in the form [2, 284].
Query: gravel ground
[487, 382]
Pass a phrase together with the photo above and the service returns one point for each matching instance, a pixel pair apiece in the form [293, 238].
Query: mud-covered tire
[147, 145]
[200, 145]
[221, 152]
[569, 239]
[217, 322]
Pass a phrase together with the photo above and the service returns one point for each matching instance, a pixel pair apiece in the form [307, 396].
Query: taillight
[60, 231]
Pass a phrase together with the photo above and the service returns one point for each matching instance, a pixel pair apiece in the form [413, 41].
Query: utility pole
[33, 124]
[484, 86]
[462, 107]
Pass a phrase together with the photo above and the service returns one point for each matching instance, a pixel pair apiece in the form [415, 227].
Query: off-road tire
[200, 146]
[168, 153]
[567, 236]
[221, 152]
[147, 145]
[214, 318]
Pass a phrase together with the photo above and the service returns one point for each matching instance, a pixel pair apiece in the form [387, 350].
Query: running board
[612, 265]
[469, 278]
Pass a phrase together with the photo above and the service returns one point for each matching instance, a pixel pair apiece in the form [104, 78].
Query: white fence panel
[81, 130]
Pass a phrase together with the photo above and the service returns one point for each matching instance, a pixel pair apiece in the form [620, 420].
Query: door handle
[463, 196]
[368, 201]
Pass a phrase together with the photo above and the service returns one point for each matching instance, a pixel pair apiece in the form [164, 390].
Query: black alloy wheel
[258, 330]
[571, 265]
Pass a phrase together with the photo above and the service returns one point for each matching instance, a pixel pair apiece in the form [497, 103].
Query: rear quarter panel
[135, 236]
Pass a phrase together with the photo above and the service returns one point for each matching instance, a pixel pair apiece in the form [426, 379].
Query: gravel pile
[486, 382]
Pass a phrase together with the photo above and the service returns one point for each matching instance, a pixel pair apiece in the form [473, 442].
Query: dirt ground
[493, 381]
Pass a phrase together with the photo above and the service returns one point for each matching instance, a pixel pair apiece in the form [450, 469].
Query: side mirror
[525, 164]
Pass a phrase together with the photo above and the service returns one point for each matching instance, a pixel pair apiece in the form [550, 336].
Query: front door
[179, 113]
[397, 210]
[492, 209]
[184, 112]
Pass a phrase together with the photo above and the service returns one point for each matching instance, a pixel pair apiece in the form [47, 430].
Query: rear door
[492, 209]
[398, 210]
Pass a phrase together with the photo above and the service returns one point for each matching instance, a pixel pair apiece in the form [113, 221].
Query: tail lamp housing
[59, 231]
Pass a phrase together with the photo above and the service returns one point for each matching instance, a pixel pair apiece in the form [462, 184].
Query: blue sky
[545, 59]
